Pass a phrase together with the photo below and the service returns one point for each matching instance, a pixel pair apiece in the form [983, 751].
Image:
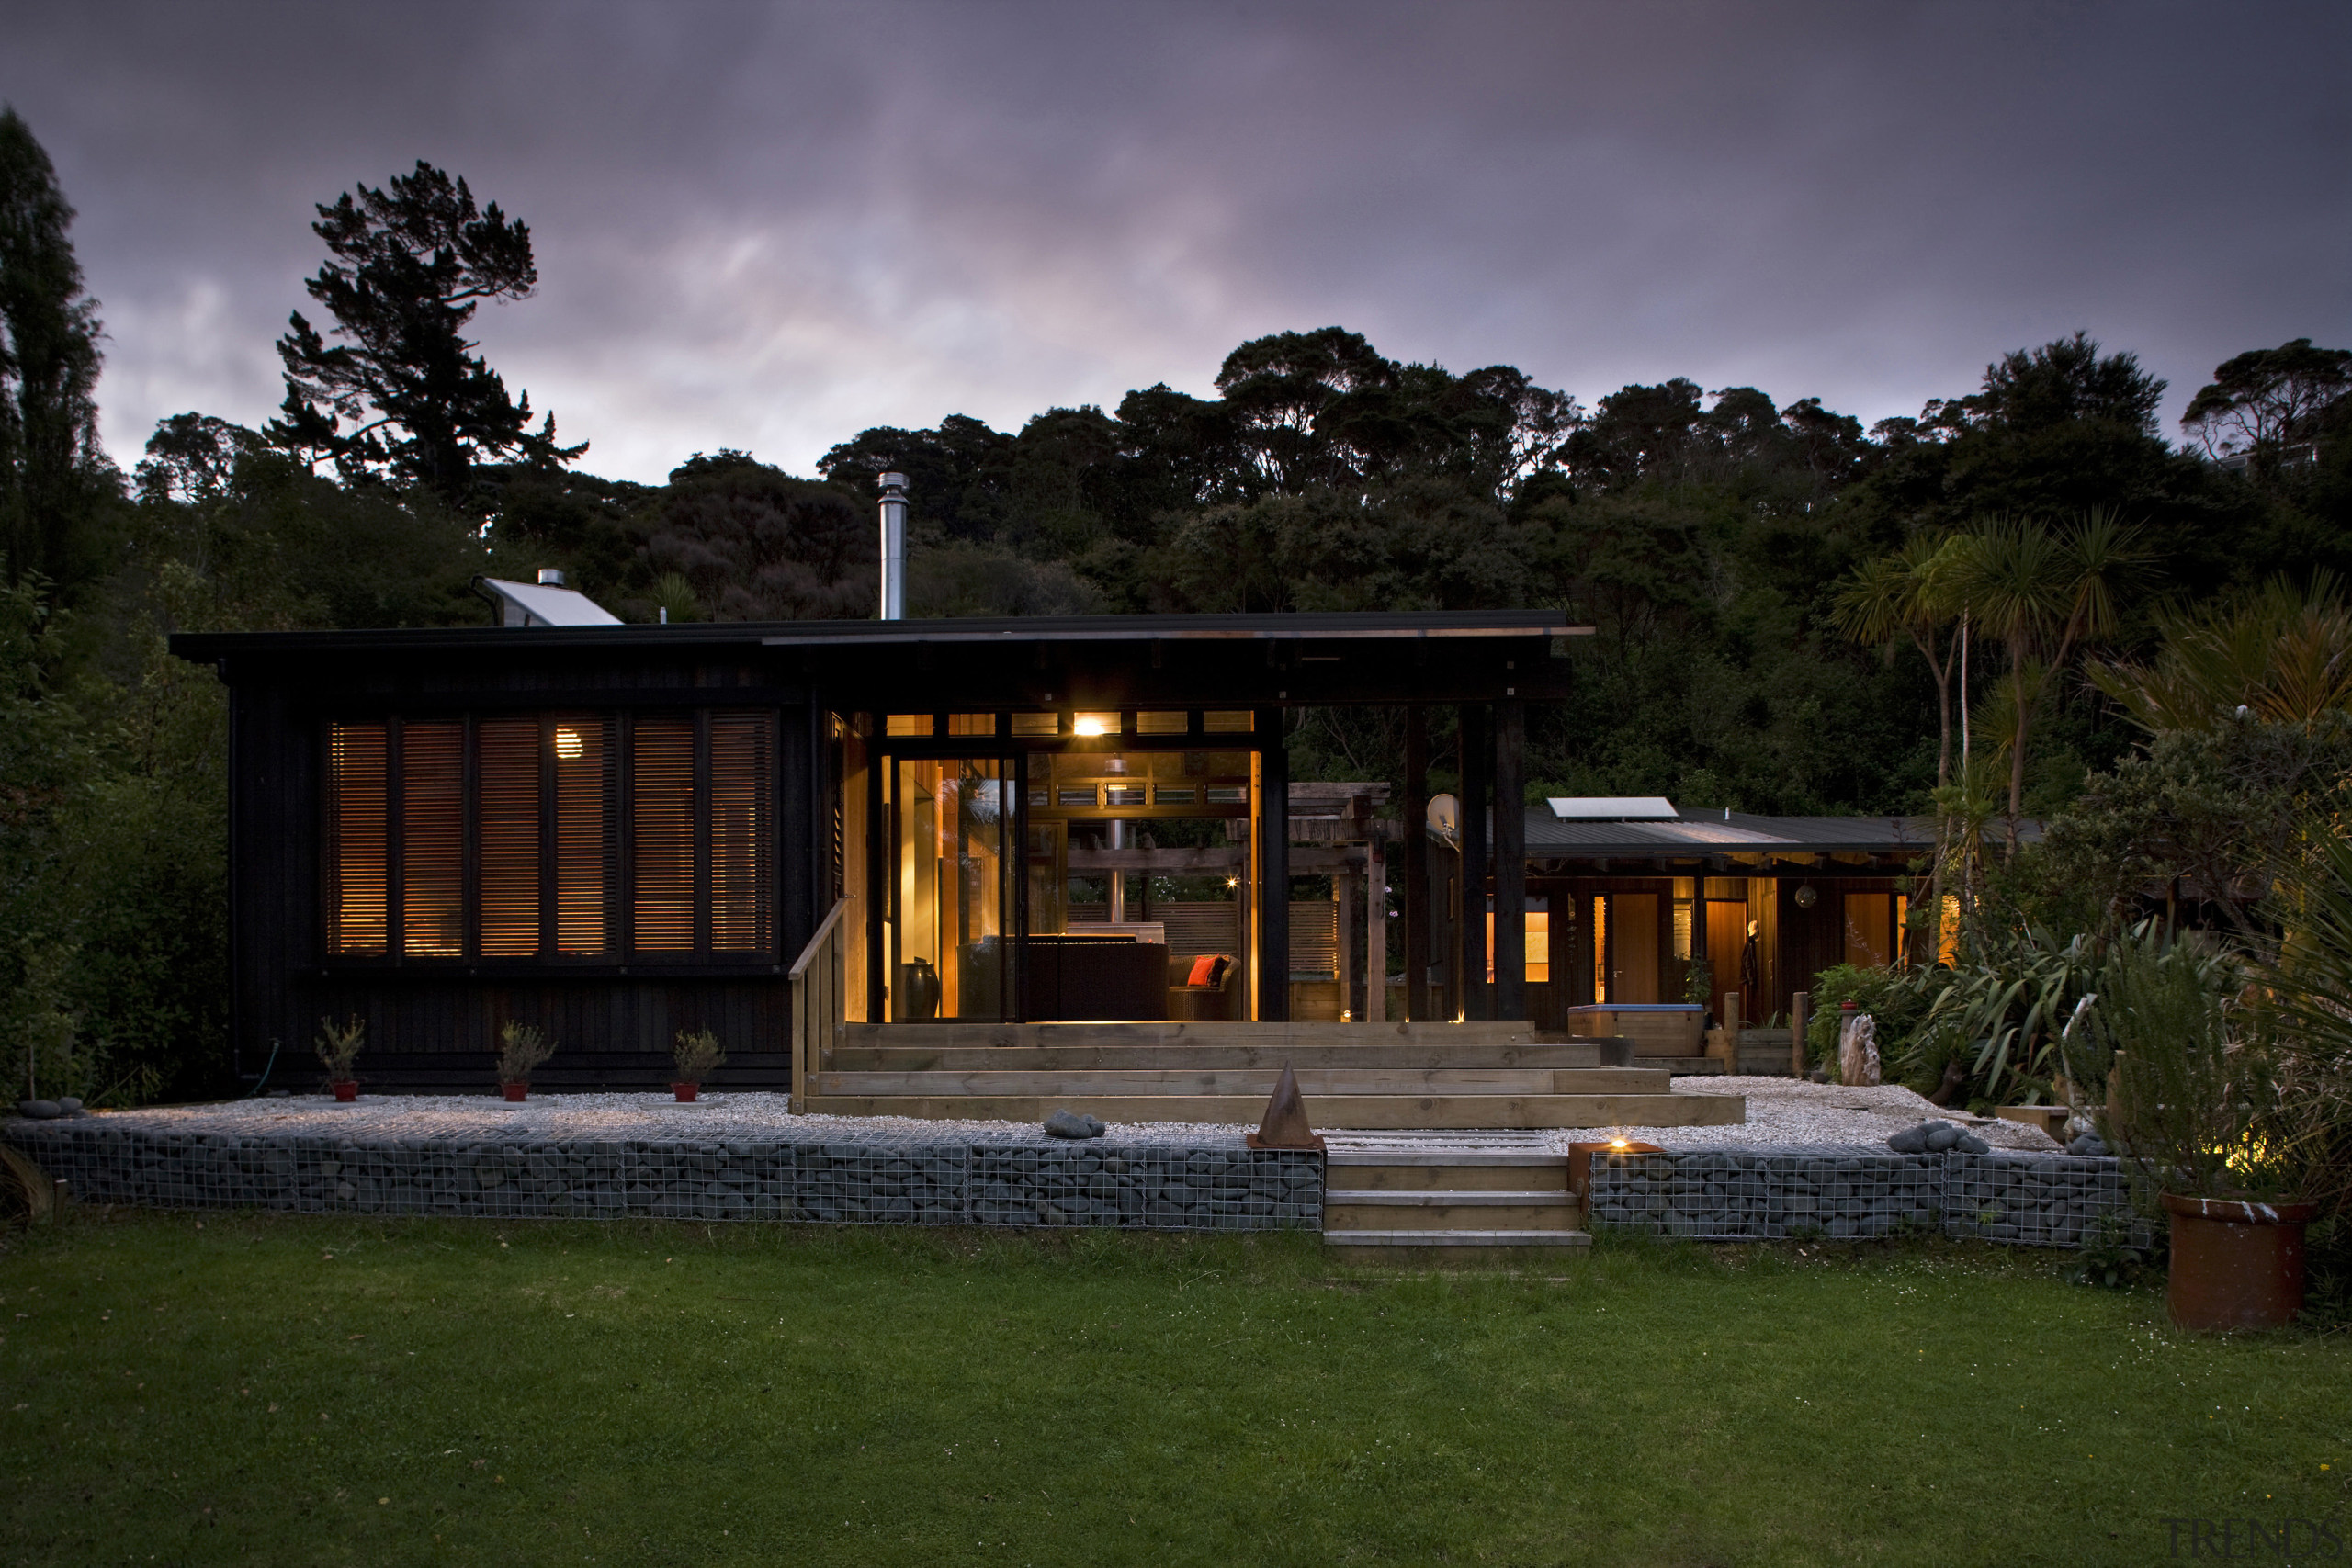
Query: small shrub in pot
[522, 1050]
[696, 1057]
[339, 1045]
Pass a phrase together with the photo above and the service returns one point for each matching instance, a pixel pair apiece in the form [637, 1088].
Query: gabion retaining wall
[886, 1181]
[2025, 1200]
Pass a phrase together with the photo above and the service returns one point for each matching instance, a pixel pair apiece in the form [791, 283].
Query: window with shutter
[433, 839]
[583, 833]
[662, 824]
[508, 822]
[742, 856]
[506, 837]
[358, 884]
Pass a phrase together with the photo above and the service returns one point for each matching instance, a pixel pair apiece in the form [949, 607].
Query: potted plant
[2185, 1086]
[523, 1048]
[697, 1054]
[339, 1045]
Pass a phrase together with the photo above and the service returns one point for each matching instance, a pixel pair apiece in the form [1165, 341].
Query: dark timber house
[618, 832]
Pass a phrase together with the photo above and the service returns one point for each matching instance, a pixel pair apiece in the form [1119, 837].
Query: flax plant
[2190, 1085]
[2307, 1009]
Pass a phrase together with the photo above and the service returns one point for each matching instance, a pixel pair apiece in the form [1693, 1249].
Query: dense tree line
[1725, 546]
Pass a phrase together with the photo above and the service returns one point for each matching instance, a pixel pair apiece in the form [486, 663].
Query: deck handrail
[824, 929]
[816, 998]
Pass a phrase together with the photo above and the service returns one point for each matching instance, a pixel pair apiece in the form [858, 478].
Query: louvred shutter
[359, 889]
[583, 833]
[661, 787]
[509, 826]
[432, 841]
[742, 840]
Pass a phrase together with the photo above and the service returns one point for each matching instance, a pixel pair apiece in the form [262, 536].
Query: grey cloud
[768, 227]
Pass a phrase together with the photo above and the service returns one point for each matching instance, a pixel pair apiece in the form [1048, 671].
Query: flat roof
[1009, 630]
[1697, 831]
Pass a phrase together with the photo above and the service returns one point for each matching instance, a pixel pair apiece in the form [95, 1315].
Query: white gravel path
[1781, 1112]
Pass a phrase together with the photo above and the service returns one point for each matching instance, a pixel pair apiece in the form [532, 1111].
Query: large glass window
[507, 838]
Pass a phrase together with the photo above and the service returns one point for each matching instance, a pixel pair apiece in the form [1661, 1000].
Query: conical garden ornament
[1286, 1125]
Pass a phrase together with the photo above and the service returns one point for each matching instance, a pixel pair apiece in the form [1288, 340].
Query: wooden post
[1375, 929]
[1800, 1011]
[1511, 861]
[1273, 863]
[1417, 864]
[1347, 892]
[1470, 936]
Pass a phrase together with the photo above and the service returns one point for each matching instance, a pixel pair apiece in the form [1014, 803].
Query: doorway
[952, 894]
[1633, 942]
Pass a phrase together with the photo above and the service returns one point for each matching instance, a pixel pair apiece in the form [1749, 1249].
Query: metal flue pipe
[894, 546]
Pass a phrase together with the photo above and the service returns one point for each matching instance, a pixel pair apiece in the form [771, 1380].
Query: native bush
[1897, 1000]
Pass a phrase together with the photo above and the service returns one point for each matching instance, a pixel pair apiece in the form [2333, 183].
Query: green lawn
[291, 1390]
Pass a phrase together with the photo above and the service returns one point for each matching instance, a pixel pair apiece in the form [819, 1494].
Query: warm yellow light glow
[1088, 725]
[1619, 1144]
[566, 745]
[1233, 881]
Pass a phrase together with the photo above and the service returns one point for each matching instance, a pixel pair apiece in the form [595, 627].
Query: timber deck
[1352, 1076]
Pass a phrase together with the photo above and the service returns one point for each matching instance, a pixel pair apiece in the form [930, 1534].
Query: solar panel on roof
[1613, 808]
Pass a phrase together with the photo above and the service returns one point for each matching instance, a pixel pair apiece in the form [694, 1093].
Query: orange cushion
[1202, 968]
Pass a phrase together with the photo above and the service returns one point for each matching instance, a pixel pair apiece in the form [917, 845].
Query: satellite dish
[1445, 817]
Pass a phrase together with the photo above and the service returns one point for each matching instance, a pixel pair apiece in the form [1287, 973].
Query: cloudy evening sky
[768, 227]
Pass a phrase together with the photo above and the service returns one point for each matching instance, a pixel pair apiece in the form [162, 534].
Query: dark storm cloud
[769, 227]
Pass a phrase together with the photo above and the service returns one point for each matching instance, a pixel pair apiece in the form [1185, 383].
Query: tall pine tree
[52, 470]
[405, 393]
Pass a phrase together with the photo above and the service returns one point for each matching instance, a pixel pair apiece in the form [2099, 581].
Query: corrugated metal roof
[1010, 629]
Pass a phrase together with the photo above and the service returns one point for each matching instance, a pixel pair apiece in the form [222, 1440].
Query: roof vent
[550, 577]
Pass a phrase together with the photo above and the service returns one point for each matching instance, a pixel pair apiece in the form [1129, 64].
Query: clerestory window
[551, 836]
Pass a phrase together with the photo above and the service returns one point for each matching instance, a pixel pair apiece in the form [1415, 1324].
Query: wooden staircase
[1425, 1199]
[1353, 1075]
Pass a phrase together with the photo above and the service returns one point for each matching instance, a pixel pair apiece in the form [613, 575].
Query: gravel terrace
[1781, 1113]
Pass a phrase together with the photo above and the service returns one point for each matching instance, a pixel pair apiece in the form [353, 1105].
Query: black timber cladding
[287, 686]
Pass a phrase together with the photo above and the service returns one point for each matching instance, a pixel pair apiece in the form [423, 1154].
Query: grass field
[275, 1389]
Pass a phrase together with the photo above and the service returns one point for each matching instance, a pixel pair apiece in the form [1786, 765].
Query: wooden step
[1172, 1032]
[1205, 1056]
[1418, 1248]
[1384, 1170]
[1313, 1082]
[1464, 1211]
[1364, 1110]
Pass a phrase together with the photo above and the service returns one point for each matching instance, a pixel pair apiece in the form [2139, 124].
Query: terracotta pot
[514, 1091]
[686, 1092]
[2235, 1264]
[345, 1089]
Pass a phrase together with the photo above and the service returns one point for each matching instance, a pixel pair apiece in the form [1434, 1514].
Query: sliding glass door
[952, 894]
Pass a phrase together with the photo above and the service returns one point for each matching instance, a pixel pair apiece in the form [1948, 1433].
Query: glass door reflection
[952, 890]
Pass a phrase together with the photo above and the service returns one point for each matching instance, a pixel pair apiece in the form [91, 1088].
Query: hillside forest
[1982, 610]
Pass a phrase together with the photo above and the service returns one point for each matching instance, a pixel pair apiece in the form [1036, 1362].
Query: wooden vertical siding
[1812, 940]
[434, 1025]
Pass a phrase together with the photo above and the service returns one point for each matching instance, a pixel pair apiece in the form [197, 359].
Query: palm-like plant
[1909, 594]
[2284, 655]
[2043, 596]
